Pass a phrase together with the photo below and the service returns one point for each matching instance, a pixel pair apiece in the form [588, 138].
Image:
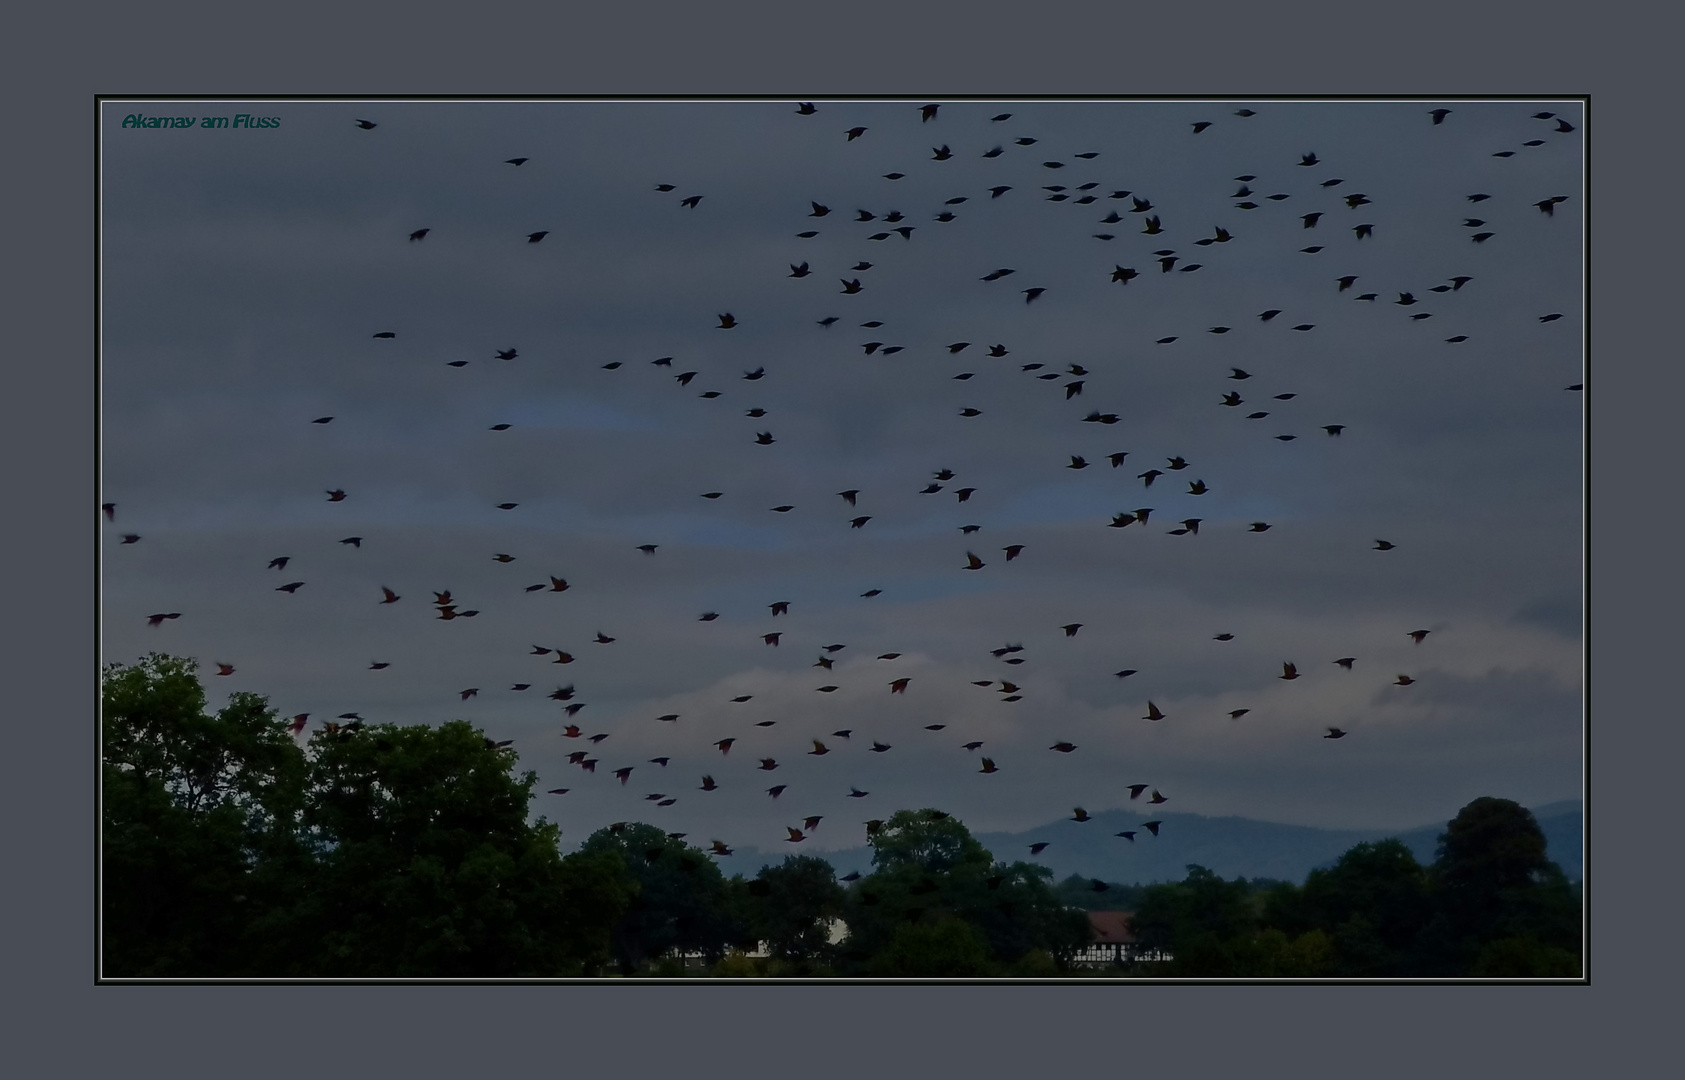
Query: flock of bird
[888, 230]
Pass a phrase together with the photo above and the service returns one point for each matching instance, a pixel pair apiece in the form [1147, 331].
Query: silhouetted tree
[1501, 907]
[793, 907]
[199, 817]
[1373, 904]
[930, 869]
[374, 851]
[684, 903]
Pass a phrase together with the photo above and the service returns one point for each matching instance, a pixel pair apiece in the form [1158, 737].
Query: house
[1112, 942]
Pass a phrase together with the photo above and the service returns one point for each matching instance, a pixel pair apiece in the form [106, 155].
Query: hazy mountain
[1229, 846]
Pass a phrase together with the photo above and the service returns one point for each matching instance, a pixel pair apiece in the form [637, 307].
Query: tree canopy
[229, 848]
[386, 851]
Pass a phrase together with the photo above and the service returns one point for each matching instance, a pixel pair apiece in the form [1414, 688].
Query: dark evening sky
[246, 272]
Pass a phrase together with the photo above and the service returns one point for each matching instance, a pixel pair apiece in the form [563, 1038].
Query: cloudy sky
[245, 274]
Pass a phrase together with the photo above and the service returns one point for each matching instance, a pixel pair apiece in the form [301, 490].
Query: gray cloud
[244, 279]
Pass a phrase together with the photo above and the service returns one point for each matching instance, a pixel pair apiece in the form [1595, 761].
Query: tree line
[386, 851]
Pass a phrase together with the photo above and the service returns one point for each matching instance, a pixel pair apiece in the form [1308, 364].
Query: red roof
[1110, 927]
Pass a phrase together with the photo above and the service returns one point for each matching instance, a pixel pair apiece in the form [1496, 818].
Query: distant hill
[1228, 846]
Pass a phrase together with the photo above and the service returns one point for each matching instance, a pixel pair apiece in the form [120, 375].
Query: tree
[1213, 927]
[428, 866]
[1374, 903]
[198, 822]
[1196, 920]
[684, 903]
[386, 851]
[928, 840]
[930, 869]
[795, 904]
[1492, 881]
[946, 948]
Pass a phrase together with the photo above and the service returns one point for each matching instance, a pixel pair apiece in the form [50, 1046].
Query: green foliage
[928, 841]
[946, 948]
[386, 851]
[1216, 928]
[1524, 958]
[1374, 902]
[198, 819]
[426, 863]
[1492, 881]
[684, 903]
[929, 871]
[793, 905]
[406, 852]
[736, 964]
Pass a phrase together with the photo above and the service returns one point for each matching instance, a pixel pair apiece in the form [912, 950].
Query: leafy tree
[684, 903]
[596, 892]
[948, 947]
[1215, 928]
[795, 903]
[1374, 903]
[1194, 920]
[1524, 958]
[198, 819]
[1019, 912]
[1492, 881]
[927, 840]
[385, 851]
[427, 865]
[930, 869]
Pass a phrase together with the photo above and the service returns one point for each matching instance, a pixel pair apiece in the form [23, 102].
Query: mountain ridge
[1230, 846]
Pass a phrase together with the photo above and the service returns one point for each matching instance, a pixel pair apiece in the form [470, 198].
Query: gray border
[257, 1030]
